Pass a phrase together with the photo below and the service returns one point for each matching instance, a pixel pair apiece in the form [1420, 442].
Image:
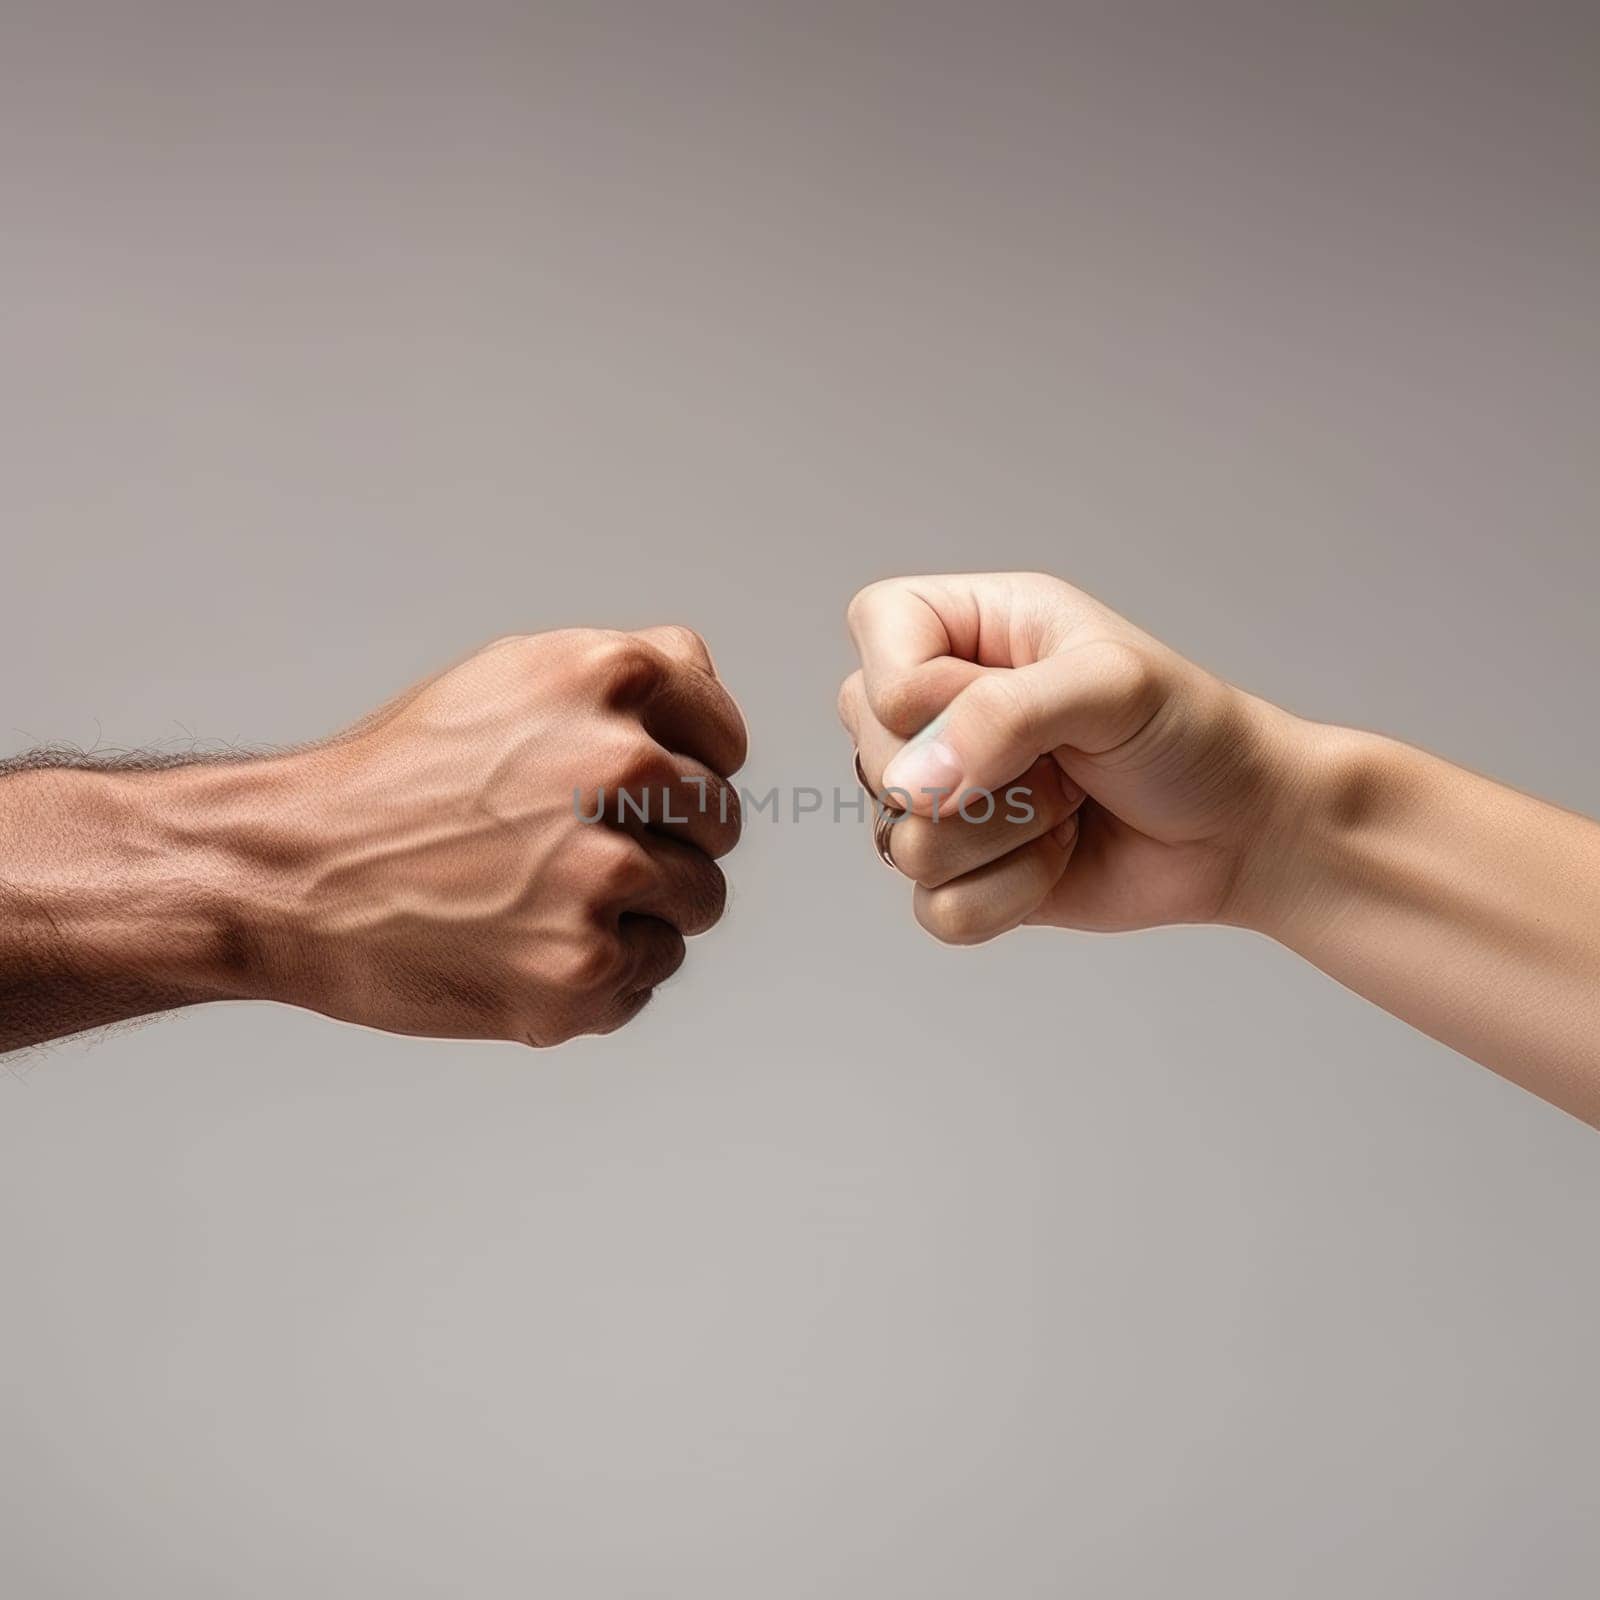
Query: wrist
[1330, 789]
[242, 837]
[174, 880]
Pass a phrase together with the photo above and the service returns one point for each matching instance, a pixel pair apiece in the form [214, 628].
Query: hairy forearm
[1466, 908]
[124, 893]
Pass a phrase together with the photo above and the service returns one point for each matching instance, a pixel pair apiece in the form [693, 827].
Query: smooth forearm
[125, 893]
[1462, 906]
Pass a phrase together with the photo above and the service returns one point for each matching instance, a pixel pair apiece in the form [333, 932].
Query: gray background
[337, 339]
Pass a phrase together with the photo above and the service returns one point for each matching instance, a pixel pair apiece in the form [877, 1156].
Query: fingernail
[1065, 832]
[921, 767]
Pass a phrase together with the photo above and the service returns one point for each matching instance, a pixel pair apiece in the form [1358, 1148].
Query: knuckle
[860, 604]
[868, 604]
[624, 876]
[589, 963]
[614, 868]
[625, 668]
[638, 763]
[686, 639]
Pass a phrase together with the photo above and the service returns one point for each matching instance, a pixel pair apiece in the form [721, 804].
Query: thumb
[1091, 697]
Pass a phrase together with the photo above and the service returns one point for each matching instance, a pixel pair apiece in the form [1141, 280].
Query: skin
[426, 872]
[1466, 908]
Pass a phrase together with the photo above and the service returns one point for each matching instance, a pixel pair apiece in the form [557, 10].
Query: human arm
[429, 871]
[1466, 908]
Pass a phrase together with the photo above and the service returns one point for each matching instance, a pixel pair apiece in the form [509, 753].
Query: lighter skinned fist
[1154, 781]
[440, 878]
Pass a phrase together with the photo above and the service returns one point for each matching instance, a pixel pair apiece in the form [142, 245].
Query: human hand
[1154, 781]
[437, 877]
